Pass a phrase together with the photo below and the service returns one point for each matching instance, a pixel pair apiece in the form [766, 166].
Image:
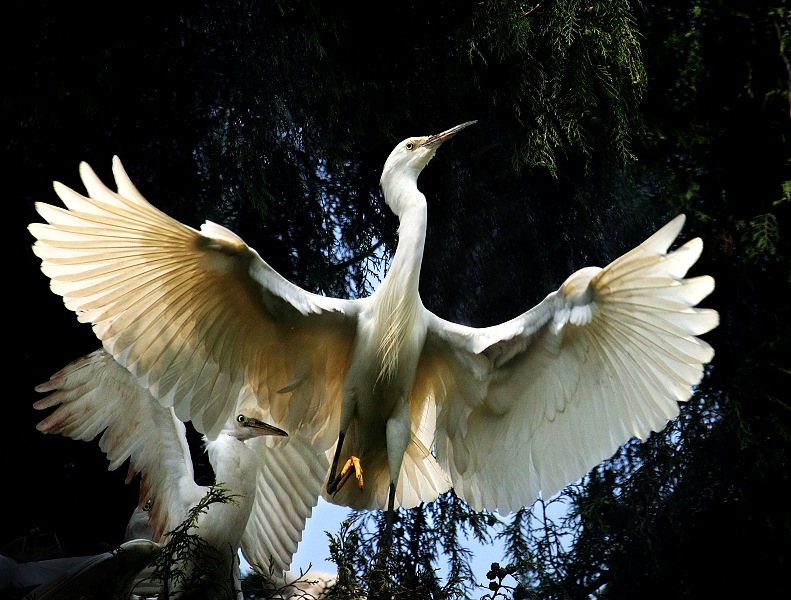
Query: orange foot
[352, 466]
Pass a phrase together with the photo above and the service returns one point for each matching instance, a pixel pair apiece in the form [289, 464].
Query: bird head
[244, 427]
[410, 157]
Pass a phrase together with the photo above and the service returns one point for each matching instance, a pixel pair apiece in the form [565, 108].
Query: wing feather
[288, 484]
[95, 396]
[529, 406]
[196, 316]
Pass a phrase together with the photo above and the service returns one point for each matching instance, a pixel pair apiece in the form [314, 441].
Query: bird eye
[410, 145]
[240, 418]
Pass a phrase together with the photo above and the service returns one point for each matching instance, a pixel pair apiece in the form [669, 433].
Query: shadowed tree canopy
[597, 121]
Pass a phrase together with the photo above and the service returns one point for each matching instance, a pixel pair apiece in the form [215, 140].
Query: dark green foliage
[575, 73]
[501, 586]
[426, 540]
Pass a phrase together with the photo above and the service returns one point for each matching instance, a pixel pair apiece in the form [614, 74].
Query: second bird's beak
[262, 428]
[436, 140]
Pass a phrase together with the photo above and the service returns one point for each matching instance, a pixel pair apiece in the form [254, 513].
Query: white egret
[510, 411]
[95, 395]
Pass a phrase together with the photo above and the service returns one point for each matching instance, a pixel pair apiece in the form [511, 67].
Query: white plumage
[510, 411]
[96, 397]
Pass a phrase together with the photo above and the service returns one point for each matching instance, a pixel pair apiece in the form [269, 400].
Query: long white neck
[234, 467]
[404, 272]
[232, 462]
[398, 298]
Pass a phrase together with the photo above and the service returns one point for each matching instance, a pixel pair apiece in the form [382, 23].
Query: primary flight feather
[408, 403]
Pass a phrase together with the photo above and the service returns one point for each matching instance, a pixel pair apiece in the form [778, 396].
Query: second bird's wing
[197, 316]
[288, 484]
[95, 396]
[531, 405]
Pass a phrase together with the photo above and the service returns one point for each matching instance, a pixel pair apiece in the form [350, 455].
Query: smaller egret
[95, 395]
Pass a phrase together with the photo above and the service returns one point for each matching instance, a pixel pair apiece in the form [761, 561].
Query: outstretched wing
[288, 484]
[197, 316]
[94, 395]
[531, 405]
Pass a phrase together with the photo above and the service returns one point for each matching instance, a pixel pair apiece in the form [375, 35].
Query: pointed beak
[261, 428]
[434, 141]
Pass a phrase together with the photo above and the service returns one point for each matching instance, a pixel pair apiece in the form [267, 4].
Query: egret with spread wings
[409, 403]
[95, 397]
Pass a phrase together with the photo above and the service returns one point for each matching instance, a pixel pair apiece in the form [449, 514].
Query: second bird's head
[245, 427]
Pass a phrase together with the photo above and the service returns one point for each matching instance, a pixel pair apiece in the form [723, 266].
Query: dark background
[231, 113]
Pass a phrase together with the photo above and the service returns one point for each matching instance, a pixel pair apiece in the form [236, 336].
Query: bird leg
[337, 480]
[352, 466]
[390, 516]
[334, 479]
